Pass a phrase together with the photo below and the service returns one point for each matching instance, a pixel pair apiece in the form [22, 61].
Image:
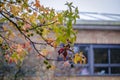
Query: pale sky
[100, 6]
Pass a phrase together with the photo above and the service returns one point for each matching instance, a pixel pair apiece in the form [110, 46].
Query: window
[115, 55]
[100, 55]
[101, 60]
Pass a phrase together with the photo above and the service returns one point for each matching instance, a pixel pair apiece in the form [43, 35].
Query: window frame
[91, 63]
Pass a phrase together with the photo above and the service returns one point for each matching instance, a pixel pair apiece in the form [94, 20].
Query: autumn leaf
[79, 58]
[63, 51]
[33, 17]
[15, 9]
[37, 3]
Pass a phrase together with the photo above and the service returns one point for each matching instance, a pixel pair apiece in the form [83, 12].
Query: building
[99, 38]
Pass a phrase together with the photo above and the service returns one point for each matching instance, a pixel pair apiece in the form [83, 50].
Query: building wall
[98, 36]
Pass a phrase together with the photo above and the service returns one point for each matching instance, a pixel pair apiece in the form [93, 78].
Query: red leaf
[65, 55]
[63, 51]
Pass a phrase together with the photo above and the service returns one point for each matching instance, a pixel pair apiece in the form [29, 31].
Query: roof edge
[98, 23]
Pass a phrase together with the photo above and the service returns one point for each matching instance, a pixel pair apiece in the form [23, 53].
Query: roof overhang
[101, 25]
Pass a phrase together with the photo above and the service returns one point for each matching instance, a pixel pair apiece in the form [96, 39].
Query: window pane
[100, 55]
[115, 55]
[115, 70]
[101, 70]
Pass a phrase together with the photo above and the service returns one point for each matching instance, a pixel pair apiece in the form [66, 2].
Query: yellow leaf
[79, 58]
[15, 9]
[33, 17]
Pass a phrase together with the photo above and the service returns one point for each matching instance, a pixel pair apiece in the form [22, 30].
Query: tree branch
[23, 34]
[33, 43]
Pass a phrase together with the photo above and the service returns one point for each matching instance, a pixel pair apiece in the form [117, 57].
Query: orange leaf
[37, 3]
